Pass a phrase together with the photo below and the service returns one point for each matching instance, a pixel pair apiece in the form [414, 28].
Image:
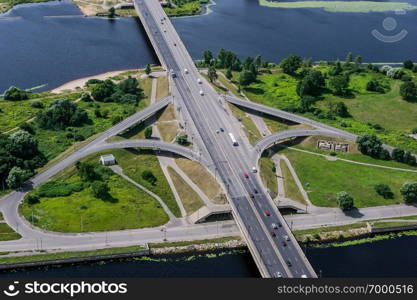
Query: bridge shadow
[354, 213]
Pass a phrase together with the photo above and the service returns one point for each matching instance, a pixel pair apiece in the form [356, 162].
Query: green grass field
[127, 207]
[323, 179]
[190, 8]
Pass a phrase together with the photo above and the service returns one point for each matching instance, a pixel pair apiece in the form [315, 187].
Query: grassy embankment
[126, 206]
[268, 176]
[342, 6]
[66, 255]
[190, 199]
[203, 179]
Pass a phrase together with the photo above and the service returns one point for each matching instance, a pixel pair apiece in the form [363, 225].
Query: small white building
[107, 160]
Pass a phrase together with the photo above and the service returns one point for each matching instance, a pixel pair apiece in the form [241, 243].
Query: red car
[267, 213]
[246, 175]
[252, 196]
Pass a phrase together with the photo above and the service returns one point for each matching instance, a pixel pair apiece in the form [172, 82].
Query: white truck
[234, 142]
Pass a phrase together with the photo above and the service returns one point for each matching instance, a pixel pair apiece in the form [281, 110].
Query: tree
[182, 139]
[17, 177]
[130, 86]
[149, 177]
[337, 69]
[291, 64]
[148, 69]
[212, 74]
[257, 62]
[409, 158]
[15, 94]
[398, 155]
[32, 199]
[384, 190]
[369, 145]
[312, 84]
[100, 189]
[246, 77]
[60, 114]
[229, 74]
[375, 86]
[358, 61]
[409, 192]
[148, 132]
[111, 13]
[408, 90]
[86, 97]
[408, 64]
[340, 84]
[207, 57]
[306, 102]
[345, 201]
[22, 145]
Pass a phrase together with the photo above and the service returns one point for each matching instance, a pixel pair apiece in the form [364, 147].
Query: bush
[36, 104]
[58, 189]
[93, 81]
[384, 190]
[408, 64]
[408, 90]
[409, 192]
[15, 94]
[148, 132]
[27, 127]
[345, 201]
[32, 199]
[100, 189]
[86, 97]
[149, 177]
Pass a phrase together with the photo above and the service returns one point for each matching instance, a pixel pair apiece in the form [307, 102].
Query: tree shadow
[256, 91]
[354, 213]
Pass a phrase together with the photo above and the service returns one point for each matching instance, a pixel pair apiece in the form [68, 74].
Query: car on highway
[251, 195]
[199, 81]
[286, 237]
[274, 226]
[254, 170]
[273, 234]
[267, 213]
[221, 129]
[246, 175]
[201, 93]
[304, 276]
[277, 275]
[217, 131]
[284, 244]
[255, 191]
[289, 263]
[175, 44]
[186, 71]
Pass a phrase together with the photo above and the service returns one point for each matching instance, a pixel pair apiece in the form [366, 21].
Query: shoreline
[80, 82]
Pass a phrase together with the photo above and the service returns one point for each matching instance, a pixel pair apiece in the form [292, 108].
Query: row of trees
[408, 191]
[371, 145]
[19, 157]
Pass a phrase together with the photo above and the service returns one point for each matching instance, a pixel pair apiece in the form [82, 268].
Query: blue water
[385, 258]
[37, 48]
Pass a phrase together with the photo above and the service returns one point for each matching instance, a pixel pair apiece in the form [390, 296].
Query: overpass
[253, 210]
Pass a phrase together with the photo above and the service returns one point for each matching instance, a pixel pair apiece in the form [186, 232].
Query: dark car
[246, 175]
[273, 234]
[221, 129]
[252, 196]
[284, 244]
[255, 191]
[289, 263]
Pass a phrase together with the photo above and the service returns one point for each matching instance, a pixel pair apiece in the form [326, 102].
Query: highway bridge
[275, 250]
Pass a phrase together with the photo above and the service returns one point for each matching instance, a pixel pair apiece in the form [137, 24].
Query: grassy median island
[69, 203]
[7, 233]
[342, 6]
[268, 176]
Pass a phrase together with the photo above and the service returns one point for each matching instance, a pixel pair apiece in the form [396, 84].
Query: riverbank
[19, 260]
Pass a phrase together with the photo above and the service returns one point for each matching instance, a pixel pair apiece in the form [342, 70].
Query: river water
[51, 43]
[395, 257]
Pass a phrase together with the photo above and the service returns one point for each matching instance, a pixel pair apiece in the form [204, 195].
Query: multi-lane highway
[274, 249]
